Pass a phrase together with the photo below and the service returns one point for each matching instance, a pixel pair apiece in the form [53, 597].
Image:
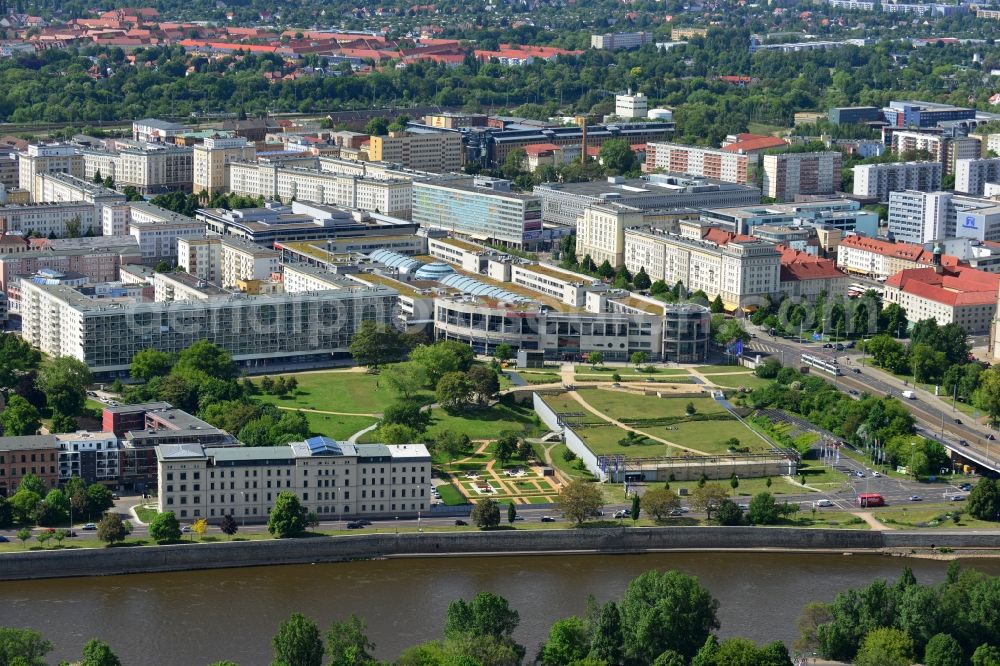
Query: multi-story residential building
[49, 158]
[631, 106]
[56, 187]
[179, 286]
[90, 456]
[97, 258]
[677, 34]
[789, 174]
[158, 229]
[922, 217]
[312, 328]
[452, 120]
[942, 147]
[10, 175]
[201, 256]
[272, 181]
[989, 144]
[150, 169]
[878, 180]
[243, 260]
[841, 214]
[739, 269]
[879, 259]
[620, 40]
[721, 165]
[29, 454]
[481, 208]
[333, 479]
[211, 159]
[419, 148]
[151, 130]
[51, 219]
[971, 175]
[958, 295]
[855, 115]
[600, 232]
[563, 203]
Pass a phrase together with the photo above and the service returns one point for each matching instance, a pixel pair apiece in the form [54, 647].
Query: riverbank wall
[186, 556]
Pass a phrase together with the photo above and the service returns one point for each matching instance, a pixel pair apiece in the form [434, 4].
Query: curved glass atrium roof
[472, 286]
[400, 262]
[434, 271]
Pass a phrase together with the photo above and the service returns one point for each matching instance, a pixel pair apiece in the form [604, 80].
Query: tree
[666, 611]
[487, 615]
[443, 357]
[407, 413]
[707, 498]
[486, 513]
[452, 444]
[641, 280]
[288, 517]
[506, 447]
[568, 643]
[885, 646]
[298, 643]
[763, 510]
[580, 500]
[503, 352]
[511, 513]
[23, 535]
[56, 509]
[987, 396]
[6, 514]
[454, 391]
[605, 270]
[407, 379]
[634, 512]
[734, 481]
[984, 500]
[99, 499]
[986, 655]
[150, 363]
[617, 157]
[20, 417]
[199, 527]
[377, 126]
[208, 359]
[690, 409]
[485, 383]
[607, 639]
[893, 319]
[943, 650]
[717, 306]
[638, 358]
[595, 358]
[98, 653]
[165, 527]
[23, 646]
[64, 381]
[24, 504]
[62, 423]
[347, 644]
[659, 502]
[228, 525]
[728, 513]
[17, 358]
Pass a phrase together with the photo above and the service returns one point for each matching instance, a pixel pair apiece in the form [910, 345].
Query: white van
[909, 395]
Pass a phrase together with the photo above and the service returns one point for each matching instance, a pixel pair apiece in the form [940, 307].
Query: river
[197, 617]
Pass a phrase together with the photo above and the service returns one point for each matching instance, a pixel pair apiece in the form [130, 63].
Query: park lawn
[339, 391]
[780, 485]
[625, 406]
[930, 516]
[635, 379]
[842, 520]
[733, 380]
[627, 371]
[821, 476]
[603, 440]
[541, 377]
[335, 426]
[146, 513]
[562, 403]
[709, 436]
[486, 423]
[450, 495]
[568, 468]
[720, 369]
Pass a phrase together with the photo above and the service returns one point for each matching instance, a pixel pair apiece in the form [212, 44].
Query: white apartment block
[428, 150]
[740, 271]
[183, 287]
[308, 327]
[114, 219]
[211, 159]
[694, 161]
[54, 187]
[570, 288]
[620, 40]
[922, 217]
[50, 219]
[150, 170]
[153, 130]
[201, 256]
[971, 175]
[336, 480]
[50, 158]
[303, 277]
[631, 106]
[243, 260]
[790, 174]
[934, 144]
[92, 456]
[392, 197]
[157, 231]
[600, 232]
[878, 180]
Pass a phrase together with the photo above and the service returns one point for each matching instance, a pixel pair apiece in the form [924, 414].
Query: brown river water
[197, 617]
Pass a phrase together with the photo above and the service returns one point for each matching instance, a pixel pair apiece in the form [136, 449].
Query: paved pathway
[870, 518]
[323, 411]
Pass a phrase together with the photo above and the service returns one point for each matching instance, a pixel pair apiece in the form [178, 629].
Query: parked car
[186, 528]
[363, 521]
[90, 527]
[958, 498]
[548, 519]
[621, 514]
[839, 347]
[460, 523]
[518, 517]
[744, 507]
[3, 539]
[354, 525]
[849, 345]
[852, 392]
[916, 498]
[676, 512]
[965, 486]
[115, 496]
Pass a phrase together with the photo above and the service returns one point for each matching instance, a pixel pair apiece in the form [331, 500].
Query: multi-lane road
[936, 419]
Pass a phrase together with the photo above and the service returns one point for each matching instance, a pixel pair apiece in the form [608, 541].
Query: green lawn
[603, 440]
[834, 519]
[930, 516]
[733, 380]
[486, 423]
[821, 476]
[747, 488]
[709, 436]
[568, 468]
[720, 369]
[562, 403]
[335, 426]
[625, 406]
[146, 513]
[450, 495]
[541, 377]
[646, 379]
[338, 391]
[626, 371]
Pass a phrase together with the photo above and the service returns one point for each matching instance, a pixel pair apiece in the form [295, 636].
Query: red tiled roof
[907, 251]
[953, 286]
[539, 148]
[798, 265]
[723, 237]
[754, 142]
